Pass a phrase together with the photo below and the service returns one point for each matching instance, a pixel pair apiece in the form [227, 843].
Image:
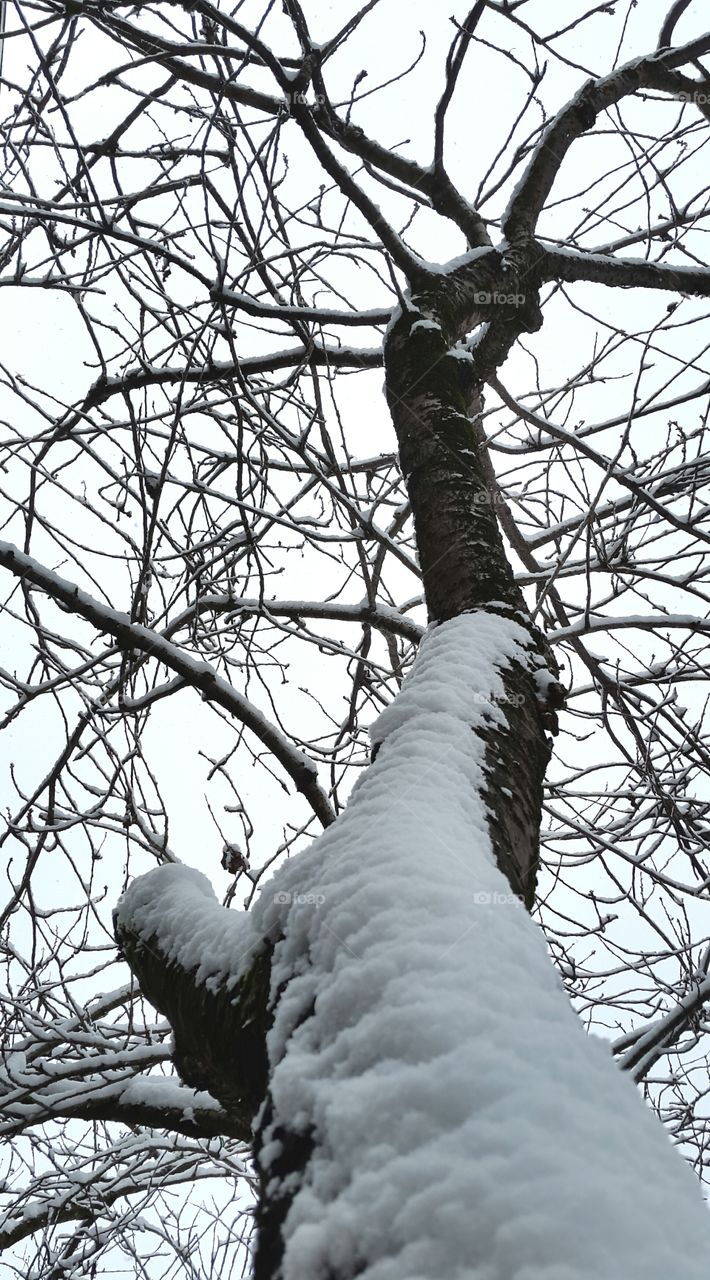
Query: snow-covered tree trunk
[432, 1107]
[424, 1101]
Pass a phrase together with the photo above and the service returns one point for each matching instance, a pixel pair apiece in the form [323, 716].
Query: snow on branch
[625, 273]
[199, 675]
[98, 1088]
[316, 315]
[219, 370]
[381, 616]
[641, 1048]
[646, 622]
[80, 1195]
[530, 195]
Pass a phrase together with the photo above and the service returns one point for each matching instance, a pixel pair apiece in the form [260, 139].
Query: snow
[466, 1126]
[329, 315]
[425, 324]
[177, 906]
[684, 621]
[461, 353]
[461, 260]
[165, 1093]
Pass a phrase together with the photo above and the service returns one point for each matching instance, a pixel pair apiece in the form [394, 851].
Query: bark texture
[435, 394]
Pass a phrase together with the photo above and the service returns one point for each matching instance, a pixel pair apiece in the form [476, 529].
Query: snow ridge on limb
[207, 970]
[218, 370]
[529, 197]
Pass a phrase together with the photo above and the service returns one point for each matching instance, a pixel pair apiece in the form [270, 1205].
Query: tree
[382, 1020]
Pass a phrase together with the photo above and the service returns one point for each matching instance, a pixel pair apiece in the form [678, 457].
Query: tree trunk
[392, 941]
[434, 394]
